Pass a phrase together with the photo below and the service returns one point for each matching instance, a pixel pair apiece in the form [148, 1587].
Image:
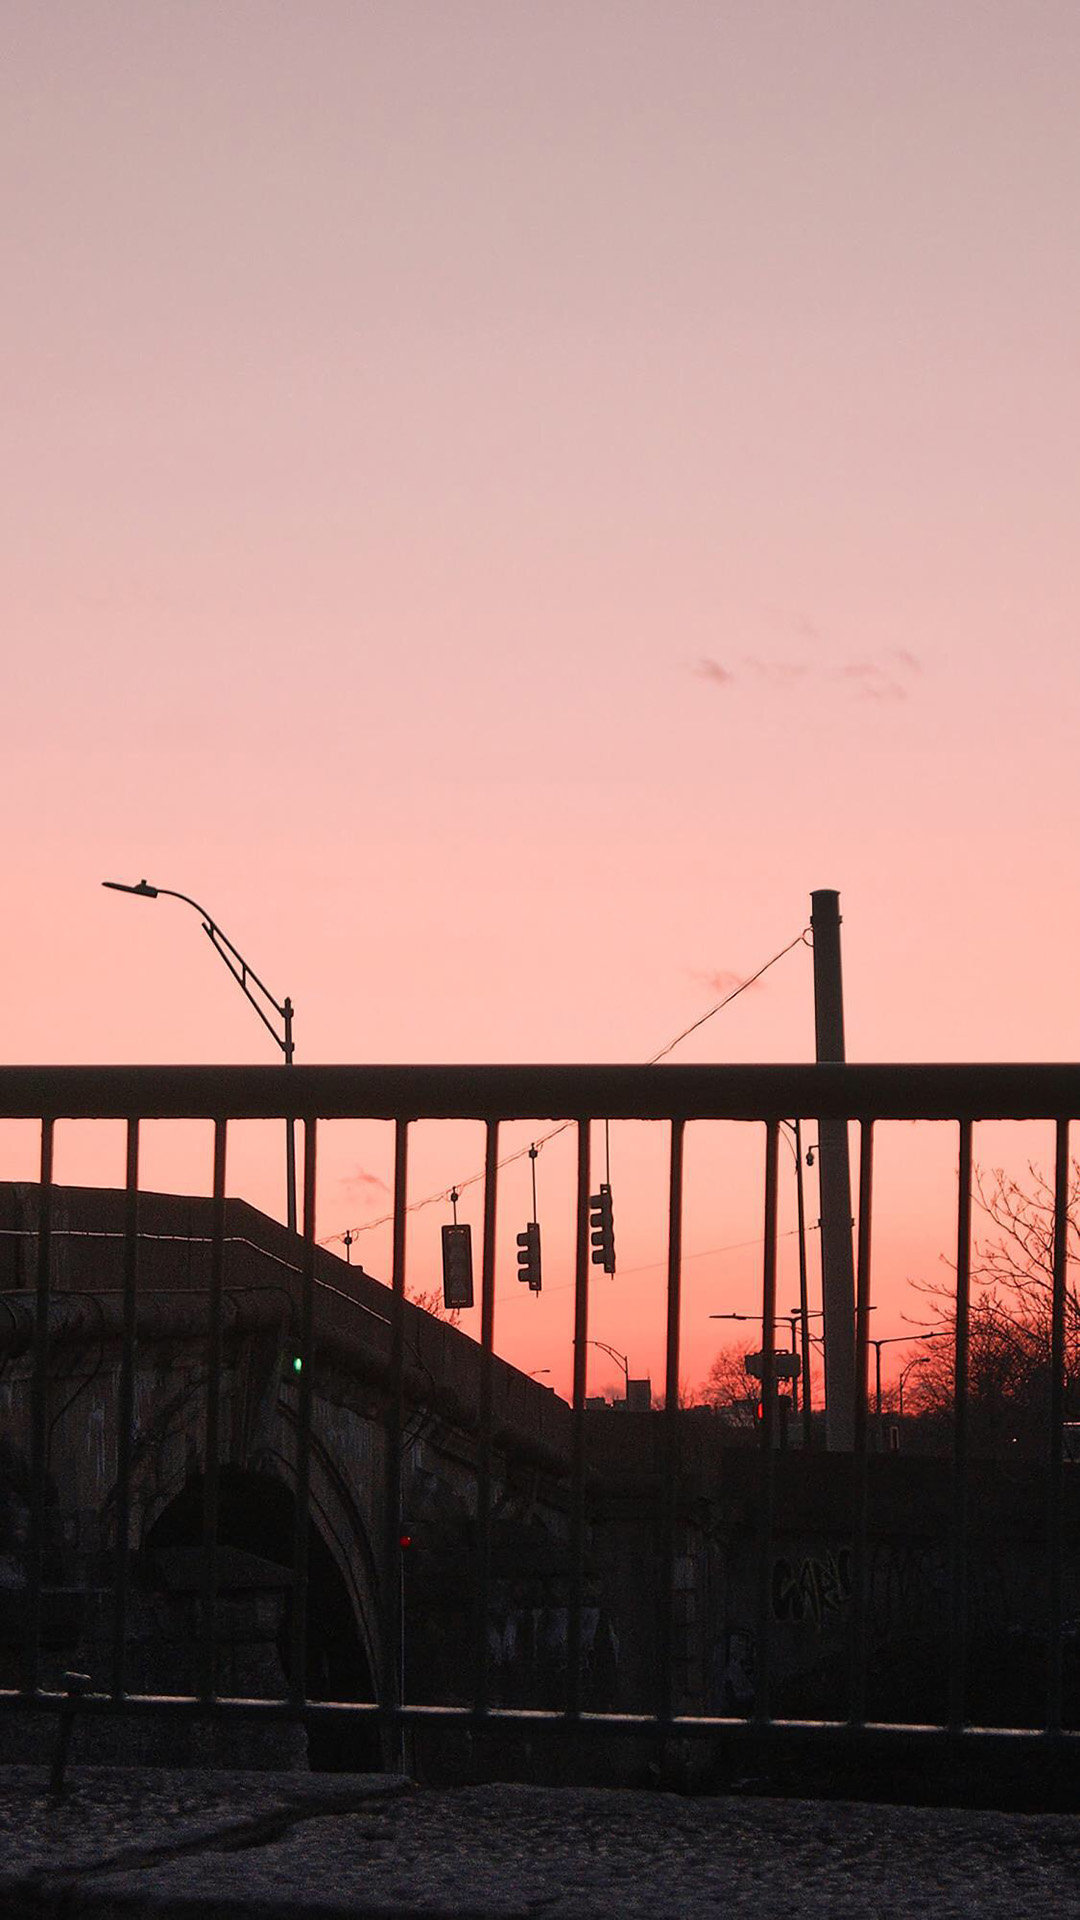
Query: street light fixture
[615, 1355]
[791, 1321]
[922, 1360]
[893, 1340]
[243, 974]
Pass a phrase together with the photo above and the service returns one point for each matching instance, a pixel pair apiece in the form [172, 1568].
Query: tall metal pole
[837, 1262]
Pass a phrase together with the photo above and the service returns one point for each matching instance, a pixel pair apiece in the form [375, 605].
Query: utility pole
[834, 1178]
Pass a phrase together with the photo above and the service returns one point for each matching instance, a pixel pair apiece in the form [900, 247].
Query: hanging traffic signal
[529, 1256]
[602, 1222]
[457, 1266]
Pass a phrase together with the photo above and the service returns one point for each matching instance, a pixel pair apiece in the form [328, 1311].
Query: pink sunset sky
[501, 502]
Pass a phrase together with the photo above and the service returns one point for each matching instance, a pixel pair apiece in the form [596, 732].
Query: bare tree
[1009, 1357]
[1019, 1259]
[430, 1300]
[688, 1397]
[730, 1389]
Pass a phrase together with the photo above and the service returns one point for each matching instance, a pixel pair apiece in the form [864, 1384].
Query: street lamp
[892, 1340]
[791, 1321]
[922, 1360]
[242, 973]
[616, 1355]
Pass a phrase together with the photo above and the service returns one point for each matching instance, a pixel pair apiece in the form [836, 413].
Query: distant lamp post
[791, 1321]
[246, 978]
[923, 1360]
[615, 1355]
[893, 1340]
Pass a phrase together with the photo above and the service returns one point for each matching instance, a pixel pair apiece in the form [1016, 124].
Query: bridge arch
[257, 1516]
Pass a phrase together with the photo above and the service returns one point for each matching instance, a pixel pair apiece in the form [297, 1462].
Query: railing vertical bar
[212, 1435]
[958, 1547]
[39, 1415]
[125, 1412]
[804, 1298]
[671, 1432]
[392, 1570]
[1056, 1477]
[577, 1456]
[860, 1461]
[763, 1663]
[299, 1636]
[483, 1464]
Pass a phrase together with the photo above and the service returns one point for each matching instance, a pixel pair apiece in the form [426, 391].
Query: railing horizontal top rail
[882, 1092]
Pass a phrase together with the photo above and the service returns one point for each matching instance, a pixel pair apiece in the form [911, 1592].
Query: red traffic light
[404, 1540]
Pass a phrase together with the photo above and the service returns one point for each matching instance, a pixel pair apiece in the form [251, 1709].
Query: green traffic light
[297, 1365]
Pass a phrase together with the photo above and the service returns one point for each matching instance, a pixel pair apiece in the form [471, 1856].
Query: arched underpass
[256, 1517]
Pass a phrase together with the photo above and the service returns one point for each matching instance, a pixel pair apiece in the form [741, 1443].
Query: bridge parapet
[399, 1355]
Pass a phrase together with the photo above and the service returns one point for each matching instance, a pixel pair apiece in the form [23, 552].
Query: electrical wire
[707, 1253]
[799, 941]
[508, 1296]
[474, 1179]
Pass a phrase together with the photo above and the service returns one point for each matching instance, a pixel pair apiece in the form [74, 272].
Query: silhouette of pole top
[242, 971]
[255, 991]
[121, 886]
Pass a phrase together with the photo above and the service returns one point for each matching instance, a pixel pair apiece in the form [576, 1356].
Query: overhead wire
[474, 1179]
[652, 1266]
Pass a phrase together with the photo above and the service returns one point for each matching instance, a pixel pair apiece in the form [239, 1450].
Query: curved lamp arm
[242, 972]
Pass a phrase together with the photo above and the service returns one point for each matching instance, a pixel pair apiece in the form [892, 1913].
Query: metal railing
[678, 1097]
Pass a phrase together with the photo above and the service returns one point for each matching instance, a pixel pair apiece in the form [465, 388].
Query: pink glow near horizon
[502, 504]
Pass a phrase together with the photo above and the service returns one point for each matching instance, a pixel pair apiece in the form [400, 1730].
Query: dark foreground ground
[210, 1846]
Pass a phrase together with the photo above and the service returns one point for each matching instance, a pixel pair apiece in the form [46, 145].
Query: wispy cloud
[777, 673]
[361, 1182]
[883, 677]
[723, 981]
[708, 669]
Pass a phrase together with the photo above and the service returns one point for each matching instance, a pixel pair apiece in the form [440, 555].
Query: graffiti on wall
[907, 1586]
[813, 1588]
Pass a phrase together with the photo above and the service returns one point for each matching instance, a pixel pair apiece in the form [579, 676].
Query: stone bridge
[259, 1394]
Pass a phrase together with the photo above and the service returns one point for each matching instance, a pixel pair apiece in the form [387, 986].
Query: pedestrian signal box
[457, 1266]
[786, 1366]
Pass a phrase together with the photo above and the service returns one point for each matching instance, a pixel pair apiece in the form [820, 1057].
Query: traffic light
[602, 1222]
[529, 1256]
[457, 1266]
